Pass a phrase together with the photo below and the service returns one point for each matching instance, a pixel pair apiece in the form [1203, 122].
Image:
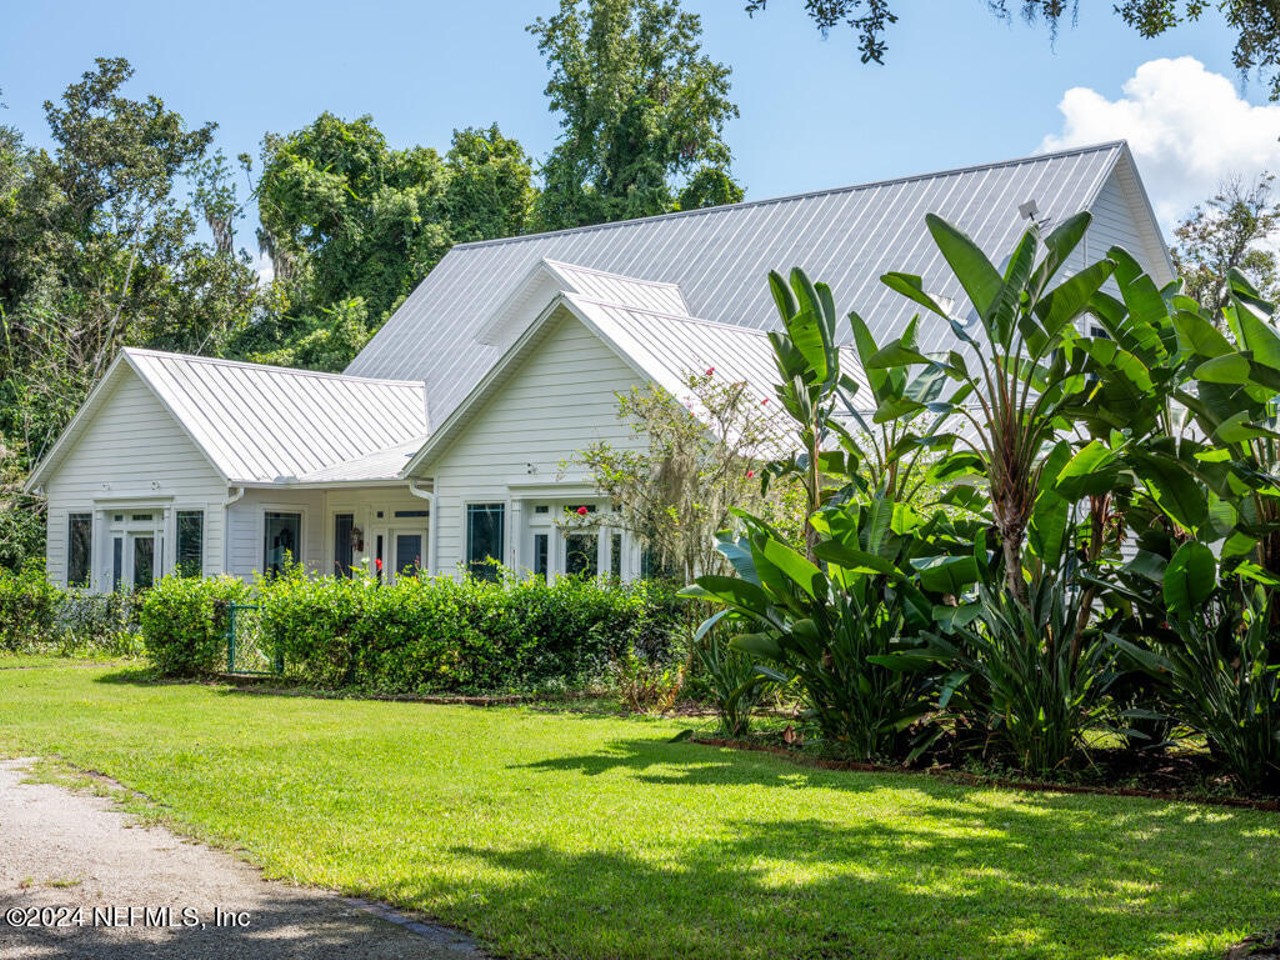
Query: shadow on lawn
[915, 869]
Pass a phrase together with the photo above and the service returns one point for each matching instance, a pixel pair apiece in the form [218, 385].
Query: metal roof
[261, 424]
[665, 349]
[719, 258]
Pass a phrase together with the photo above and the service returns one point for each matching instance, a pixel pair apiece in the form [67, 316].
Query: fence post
[231, 638]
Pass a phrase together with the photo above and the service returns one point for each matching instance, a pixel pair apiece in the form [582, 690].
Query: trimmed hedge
[184, 623]
[29, 606]
[442, 635]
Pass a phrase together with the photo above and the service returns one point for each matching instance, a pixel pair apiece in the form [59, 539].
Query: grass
[19, 661]
[551, 834]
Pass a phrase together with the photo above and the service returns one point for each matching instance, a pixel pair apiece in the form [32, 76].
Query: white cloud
[264, 268]
[1188, 128]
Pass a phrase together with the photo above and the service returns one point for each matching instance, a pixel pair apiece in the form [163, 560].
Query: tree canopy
[643, 112]
[1230, 231]
[352, 225]
[1256, 23]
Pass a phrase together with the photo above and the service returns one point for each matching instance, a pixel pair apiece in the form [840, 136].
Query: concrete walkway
[72, 867]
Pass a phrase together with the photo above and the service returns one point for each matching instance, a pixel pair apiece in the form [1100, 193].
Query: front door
[408, 554]
[136, 549]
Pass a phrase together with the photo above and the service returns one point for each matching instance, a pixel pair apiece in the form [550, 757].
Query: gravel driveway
[72, 866]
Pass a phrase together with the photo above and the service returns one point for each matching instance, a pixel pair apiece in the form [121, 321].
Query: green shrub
[29, 606]
[184, 623]
[438, 634]
[308, 622]
[99, 622]
[1219, 667]
[1037, 695]
[731, 681]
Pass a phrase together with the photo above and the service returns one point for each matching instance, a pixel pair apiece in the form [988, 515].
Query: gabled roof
[547, 278]
[265, 425]
[718, 259]
[662, 348]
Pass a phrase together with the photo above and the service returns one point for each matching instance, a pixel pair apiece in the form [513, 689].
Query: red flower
[378, 564]
[764, 401]
[582, 511]
[750, 474]
[711, 371]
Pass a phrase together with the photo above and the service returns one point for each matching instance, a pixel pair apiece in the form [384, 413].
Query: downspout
[430, 497]
[234, 495]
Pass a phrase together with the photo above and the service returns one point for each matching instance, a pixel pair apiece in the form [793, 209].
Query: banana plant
[1022, 376]
[808, 388]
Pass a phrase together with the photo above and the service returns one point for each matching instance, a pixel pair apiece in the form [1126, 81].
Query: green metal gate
[246, 652]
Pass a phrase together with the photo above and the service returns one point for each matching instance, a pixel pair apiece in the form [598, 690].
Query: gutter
[430, 497]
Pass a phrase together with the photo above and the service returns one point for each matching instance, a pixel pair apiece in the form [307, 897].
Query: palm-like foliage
[1020, 373]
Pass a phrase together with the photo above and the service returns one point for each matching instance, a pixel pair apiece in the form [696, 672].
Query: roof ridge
[270, 368]
[804, 195]
[576, 297]
[597, 272]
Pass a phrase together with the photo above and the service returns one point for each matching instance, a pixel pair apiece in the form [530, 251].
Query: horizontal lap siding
[131, 444]
[1114, 224]
[245, 528]
[558, 402]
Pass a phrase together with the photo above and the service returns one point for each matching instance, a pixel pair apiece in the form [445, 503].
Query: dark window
[582, 554]
[540, 554]
[117, 562]
[408, 553]
[407, 514]
[343, 548]
[190, 559]
[485, 523]
[542, 508]
[281, 541]
[144, 562]
[79, 549]
[615, 555]
[377, 557]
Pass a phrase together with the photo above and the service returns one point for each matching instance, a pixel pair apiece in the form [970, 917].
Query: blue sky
[960, 86]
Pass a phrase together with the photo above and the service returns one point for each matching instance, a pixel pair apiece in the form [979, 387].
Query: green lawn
[560, 835]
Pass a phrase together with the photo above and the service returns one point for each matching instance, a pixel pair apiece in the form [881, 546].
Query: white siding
[245, 528]
[132, 450]
[556, 403]
[318, 507]
[1116, 223]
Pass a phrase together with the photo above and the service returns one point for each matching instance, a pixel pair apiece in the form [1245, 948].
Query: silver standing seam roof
[271, 425]
[720, 256]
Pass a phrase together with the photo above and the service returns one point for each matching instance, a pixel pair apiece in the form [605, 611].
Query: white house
[444, 442]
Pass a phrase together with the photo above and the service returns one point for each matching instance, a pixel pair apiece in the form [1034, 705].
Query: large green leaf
[760, 645]
[1066, 302]
[799, 570]
[733, 591]
[947, 574]
[1200, 337]
[1047, 532]
[979, 277]
[912, 287]
[1190, 578]
[1059, 244]
[1090, 471]
[854, 560]
[1173, 489]
[1227, 368]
